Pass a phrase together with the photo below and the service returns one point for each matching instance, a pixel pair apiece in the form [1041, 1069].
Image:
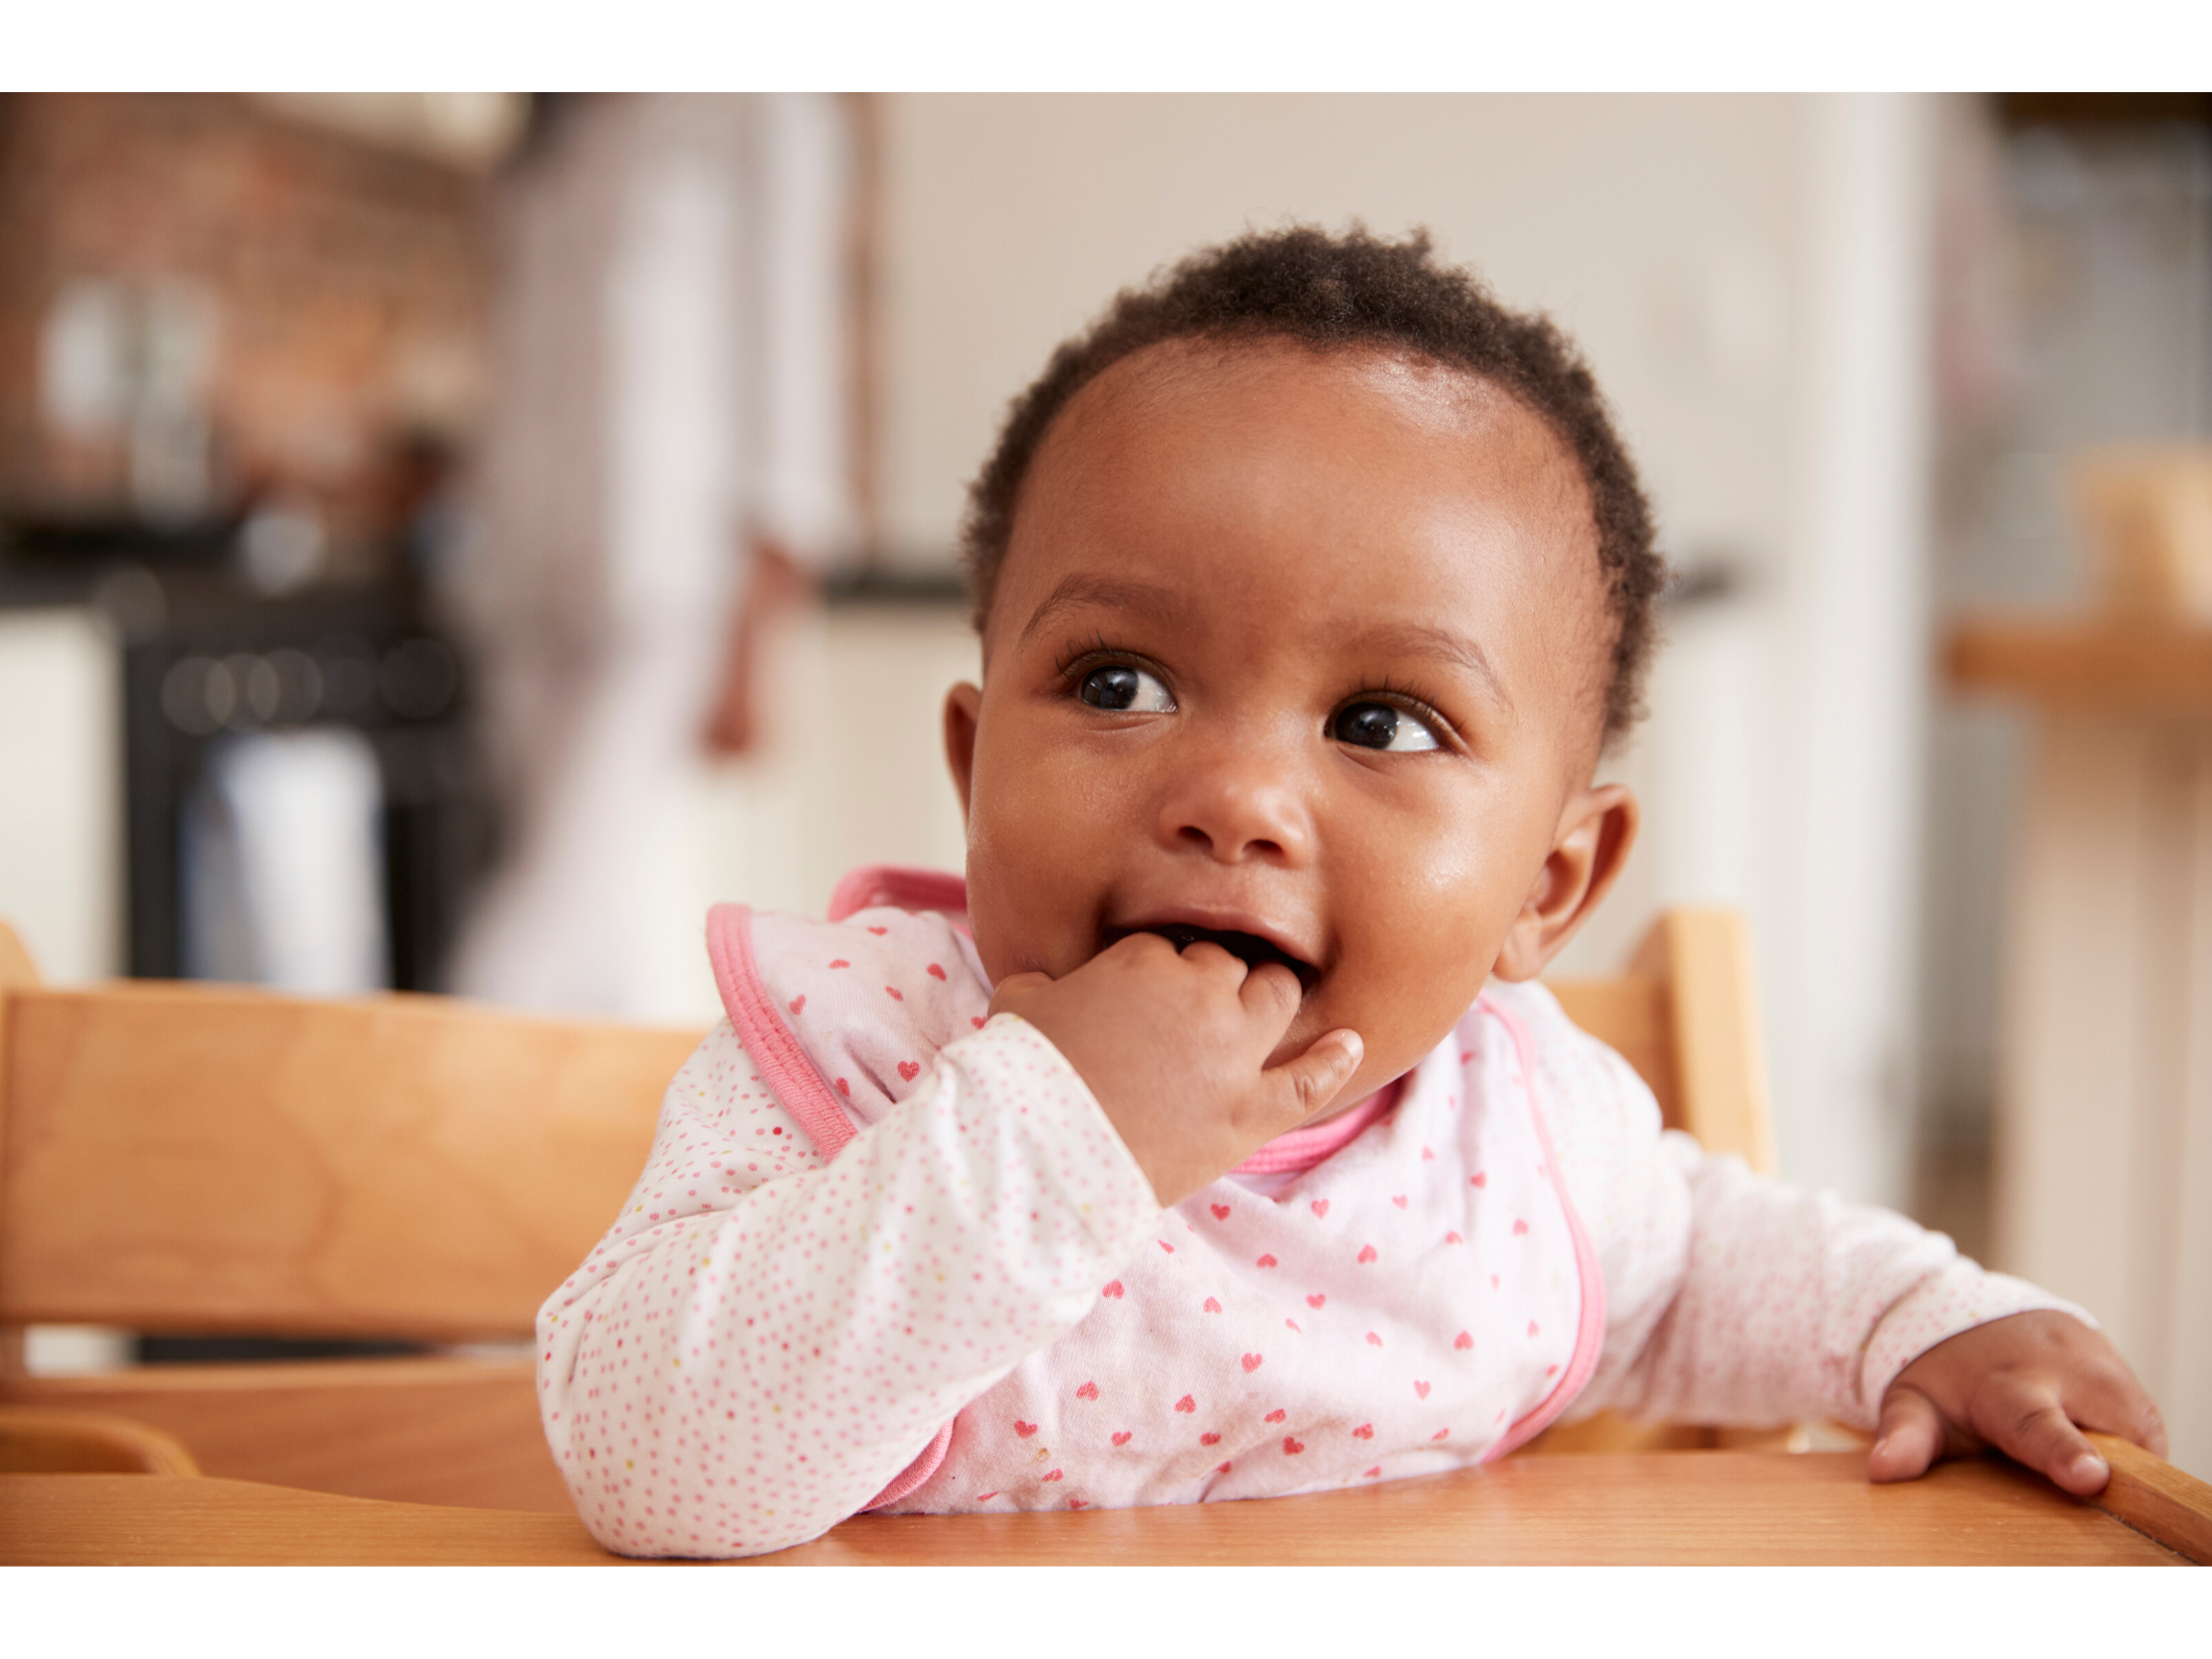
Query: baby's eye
[1123, 689]
[1379, 726]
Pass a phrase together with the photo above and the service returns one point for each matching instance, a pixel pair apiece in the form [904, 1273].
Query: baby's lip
[1250, 938]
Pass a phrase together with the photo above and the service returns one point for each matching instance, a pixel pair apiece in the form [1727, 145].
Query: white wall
[850, 772]
[61, 792]
[1745, 275]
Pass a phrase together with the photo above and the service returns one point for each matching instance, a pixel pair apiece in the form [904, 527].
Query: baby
[1214, 1139]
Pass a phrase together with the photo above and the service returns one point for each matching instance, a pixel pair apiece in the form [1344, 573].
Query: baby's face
[1304, 654]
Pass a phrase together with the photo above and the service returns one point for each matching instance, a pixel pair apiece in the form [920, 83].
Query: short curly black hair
[1337, 293]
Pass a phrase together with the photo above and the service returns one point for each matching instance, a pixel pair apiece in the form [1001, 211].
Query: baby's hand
[1174, 1048]
[2020, 1385]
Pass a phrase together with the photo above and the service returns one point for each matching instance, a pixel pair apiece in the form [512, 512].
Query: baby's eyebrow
[1079, 588]
[1426, 640]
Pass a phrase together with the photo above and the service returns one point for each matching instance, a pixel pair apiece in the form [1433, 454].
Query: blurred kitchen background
[449, 541]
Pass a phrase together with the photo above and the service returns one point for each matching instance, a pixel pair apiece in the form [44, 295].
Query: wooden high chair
[204, 1158]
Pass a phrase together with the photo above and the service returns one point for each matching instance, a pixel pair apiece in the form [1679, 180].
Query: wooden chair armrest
[2157, 1498]
[40, 1440]
[428, 1429]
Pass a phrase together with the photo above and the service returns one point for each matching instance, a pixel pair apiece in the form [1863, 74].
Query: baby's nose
[1238, 805]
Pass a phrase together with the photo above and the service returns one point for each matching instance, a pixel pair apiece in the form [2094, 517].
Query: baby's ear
[963, 704]
[1592, 844]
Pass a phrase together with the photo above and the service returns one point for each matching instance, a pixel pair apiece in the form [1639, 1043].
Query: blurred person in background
[664, 470]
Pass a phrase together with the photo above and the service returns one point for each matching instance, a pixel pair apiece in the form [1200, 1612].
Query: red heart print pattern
[1292, 1446]
[1113, 1290]
[1253, 1362]
[1265, 1261]
[1210, 1438]
[1421, 1389]
[844, 1087]
[1465, 1055]
[1479, 1179]
[1453, 1237]
[1186, 1403]
[976, 1020]
[1463, 1340]
[1165, 1246]
[1373, 1473]
[985, 1497]
[894, 993]
[1320, 1208]
[1050, 1475]
[1223, 1470]
[797, 1004]
[1440, 1434]
[1519, 1227]
[1316, 1300]
[1427, 1156]
[1077, 1503]
[1211, 1305]
[1293, 1325]
[840, 963]
[1025, 1430]
[1366, 1254]
[934, 972]
[1399, 1200]
[1373, 1340]
[1121, 1437]
[1365, 1431]
[1089, 1391]
[1275, 1416]
[1531, 1327]
[878, 932]
[908, 1070]
[1220, 1212]
[1550, 1370]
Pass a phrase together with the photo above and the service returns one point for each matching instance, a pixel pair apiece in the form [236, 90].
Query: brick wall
[348, 284]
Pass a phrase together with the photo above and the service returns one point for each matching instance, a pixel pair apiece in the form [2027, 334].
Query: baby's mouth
[1247, 948]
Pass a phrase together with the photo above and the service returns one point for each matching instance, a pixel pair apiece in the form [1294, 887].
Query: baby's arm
[749, 1357]
[1734, 1298]
[1794, 1302]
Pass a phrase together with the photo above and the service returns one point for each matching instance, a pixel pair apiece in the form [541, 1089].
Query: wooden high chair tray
[1669, 1508]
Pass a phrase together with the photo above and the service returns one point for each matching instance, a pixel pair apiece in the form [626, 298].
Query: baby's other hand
[2021, 1385]
[1175, 1047]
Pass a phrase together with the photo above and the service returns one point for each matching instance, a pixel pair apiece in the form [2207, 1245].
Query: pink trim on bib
[1301, 1150]
[873, 885]
[916, 1472]
[1590, 1330]
[783, 1065]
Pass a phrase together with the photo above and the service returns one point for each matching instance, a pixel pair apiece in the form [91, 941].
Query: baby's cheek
[1416, 984]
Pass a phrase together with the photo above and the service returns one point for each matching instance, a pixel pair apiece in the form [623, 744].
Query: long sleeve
[767, 1336]
[1733, 1298]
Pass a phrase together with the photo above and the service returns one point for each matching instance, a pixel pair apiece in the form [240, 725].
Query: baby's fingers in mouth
[1249, 948]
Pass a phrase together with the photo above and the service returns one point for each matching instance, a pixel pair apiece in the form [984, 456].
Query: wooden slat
[2157, 1498]
[2112, 662]
[1669, 1508]
[1704, 956]
[427, 1430]
[200, 1157]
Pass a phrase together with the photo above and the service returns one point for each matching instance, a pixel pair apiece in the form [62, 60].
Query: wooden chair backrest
[207, 1158]
[202, 1158]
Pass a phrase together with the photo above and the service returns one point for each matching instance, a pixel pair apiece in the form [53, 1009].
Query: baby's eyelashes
[1382, 726]
[1119, 688]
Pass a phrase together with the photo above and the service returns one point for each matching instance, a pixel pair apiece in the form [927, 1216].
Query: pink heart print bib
[1422, 1298]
